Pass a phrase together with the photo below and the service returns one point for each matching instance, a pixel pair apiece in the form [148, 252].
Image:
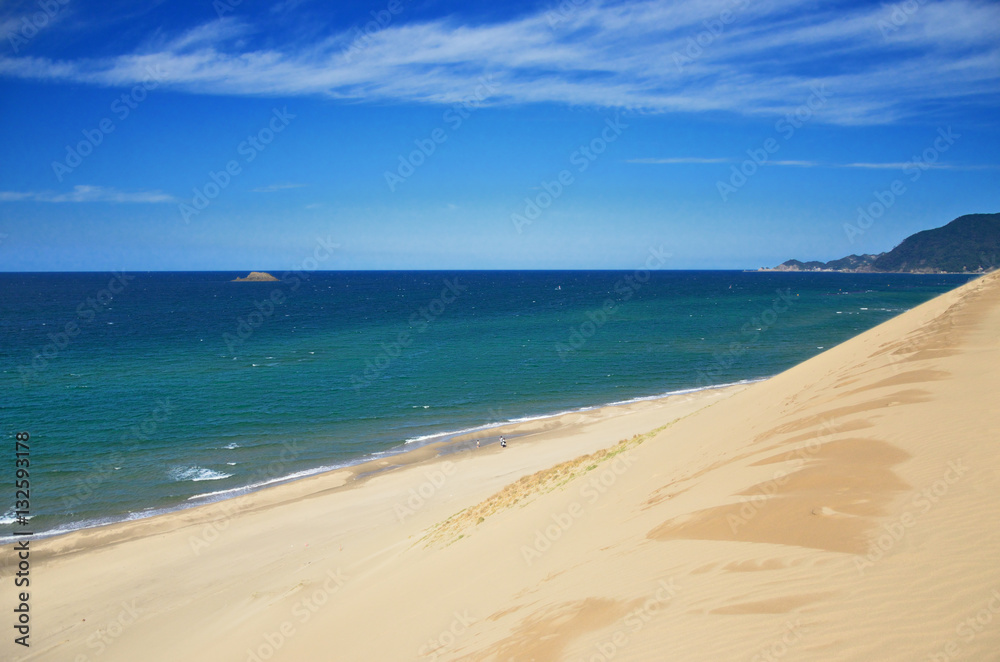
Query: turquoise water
[152, 391]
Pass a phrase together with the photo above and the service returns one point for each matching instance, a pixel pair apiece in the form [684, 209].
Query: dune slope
[845, 509]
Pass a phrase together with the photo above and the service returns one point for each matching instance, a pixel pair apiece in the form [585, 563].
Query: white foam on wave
[539, 417]
[685, 391]
[91, 523]
[231, 446]
[425, 437]
[196, 474]
[8, 517]
[255, 486]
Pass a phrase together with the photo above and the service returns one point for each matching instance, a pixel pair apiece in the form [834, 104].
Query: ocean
[148, 392]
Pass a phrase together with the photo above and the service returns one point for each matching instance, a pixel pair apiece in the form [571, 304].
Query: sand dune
[846, 509]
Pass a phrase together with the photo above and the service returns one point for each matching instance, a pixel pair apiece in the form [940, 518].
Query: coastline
[233, 421]
[407, 453]
[424, 450]
[830, 499]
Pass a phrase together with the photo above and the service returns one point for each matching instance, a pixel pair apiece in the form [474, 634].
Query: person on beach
[503, 442]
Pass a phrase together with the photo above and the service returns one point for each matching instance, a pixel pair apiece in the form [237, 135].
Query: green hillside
[969, 243]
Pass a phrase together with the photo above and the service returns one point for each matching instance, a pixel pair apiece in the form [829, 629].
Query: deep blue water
[144, 390]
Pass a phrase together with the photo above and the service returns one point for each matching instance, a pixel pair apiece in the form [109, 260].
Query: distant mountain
[849, 263]
[853, 263]
[969, 244]
[795, 265]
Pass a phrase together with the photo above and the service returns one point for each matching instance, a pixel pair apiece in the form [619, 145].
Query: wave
[231, 446]
[8, 517]
[90, 524]
[196, 474]
[538, 417]
[235, 491]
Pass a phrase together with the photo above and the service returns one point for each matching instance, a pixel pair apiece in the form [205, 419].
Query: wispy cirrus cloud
[890, 165]
[651, 55]
[83, 193]
[924, 165]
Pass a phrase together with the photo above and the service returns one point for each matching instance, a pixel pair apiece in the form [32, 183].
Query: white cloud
[652, 55]
[891, 165]
[924, 165]
[88, 194]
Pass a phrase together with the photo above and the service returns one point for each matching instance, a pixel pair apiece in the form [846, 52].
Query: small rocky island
[255, 276]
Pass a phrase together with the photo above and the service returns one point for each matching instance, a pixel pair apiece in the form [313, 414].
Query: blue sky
[428, 134]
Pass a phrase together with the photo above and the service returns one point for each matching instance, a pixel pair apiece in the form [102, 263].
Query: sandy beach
[844, 509]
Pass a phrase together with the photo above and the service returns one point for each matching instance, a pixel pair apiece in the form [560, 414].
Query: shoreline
[143, 489]
[711, 525]
[420, 450]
